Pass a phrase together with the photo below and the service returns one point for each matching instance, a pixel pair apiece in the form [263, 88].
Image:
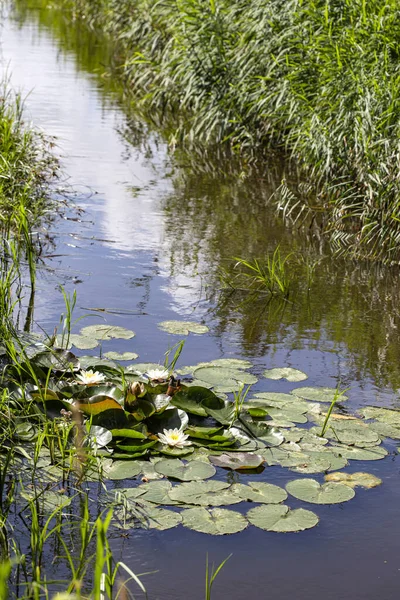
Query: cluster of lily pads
[170, 426]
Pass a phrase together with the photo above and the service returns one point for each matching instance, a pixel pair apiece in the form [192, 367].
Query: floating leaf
[385, 415]
[121, 356]
[191, 399]
[350, 432]
[217, 521]
[257, 413]
[156, 492]
[179, 452]
[222, 376]
[366, 480]
[143, 367]
[83, 342]
[237, 460]
[285, 373]
[183, 327]
[122, 469]
[281, 519]
[310, 490]
[353, 453]
[128, 433]
[317, 394]
[255, 491]
[107, 332]
[204, 493]
[171, 418]
[192, 471]
[385, 430]
[159, 518]
[233, 363]
[100, 436]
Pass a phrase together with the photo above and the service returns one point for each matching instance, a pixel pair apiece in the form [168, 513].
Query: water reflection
[191, 215]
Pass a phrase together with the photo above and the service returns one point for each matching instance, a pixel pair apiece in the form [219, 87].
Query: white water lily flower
[157, 374]
[88, 377]
[174, 437]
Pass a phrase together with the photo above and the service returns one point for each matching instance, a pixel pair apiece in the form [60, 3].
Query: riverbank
[27, 168]
[316, 80]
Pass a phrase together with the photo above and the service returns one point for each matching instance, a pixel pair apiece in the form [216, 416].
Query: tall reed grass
[318, 79]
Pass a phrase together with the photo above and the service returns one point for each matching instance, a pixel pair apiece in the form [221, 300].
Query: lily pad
[107, 332]
[317, 394]
[385, 415]
[192, 471]
[223, 376]
[100, 436]
[237, 460]
[183, 327]
[281, 519]
[385, 430]
[285, 373]
[350, 432]
[354, 453]
[143, 367]
[159, 518]
[217, 521]
[121, 356]
[83, 342]
[310, 490]
[191, 400]
[122, 469]
[366, 480]
[233, 363]
[204, 493]
[265, 493]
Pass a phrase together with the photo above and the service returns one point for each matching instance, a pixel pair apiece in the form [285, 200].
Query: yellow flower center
[174, 436]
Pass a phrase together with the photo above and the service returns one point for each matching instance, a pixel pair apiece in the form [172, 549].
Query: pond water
[155, 230]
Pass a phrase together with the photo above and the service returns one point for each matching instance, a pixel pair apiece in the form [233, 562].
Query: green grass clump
[318, 79]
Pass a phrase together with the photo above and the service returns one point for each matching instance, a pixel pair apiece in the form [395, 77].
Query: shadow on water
[174, 222]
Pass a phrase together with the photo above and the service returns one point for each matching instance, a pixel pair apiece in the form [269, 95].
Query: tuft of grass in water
[267, 276]
[336, 398]
[212, 574]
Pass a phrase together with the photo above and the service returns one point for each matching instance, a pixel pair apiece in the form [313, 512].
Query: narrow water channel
[154, 232]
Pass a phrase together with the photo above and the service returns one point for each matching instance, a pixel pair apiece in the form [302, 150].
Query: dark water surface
[155, 230]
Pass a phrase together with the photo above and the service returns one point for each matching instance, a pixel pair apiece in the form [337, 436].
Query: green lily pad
[281, 519]
[268, 434]
[192, 471]
[122, 469]
[100, 436]
[317, 394]
[177, 452]
[257, 413]
[183, 327]
[159, 518]
[237, 460]
[385, 430]
[121, 356]
[106, 332]
[223, 376]
[143, 367]
[285, 373]
[156, 492]
[204, 493]
[233, 363]
[191, 399]
[265, 493]
[83, 342]
[49, 500]
[310, 490]
[354, 453]
[217, 521]
[366, 480]
[350, 432]
[385, 415]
